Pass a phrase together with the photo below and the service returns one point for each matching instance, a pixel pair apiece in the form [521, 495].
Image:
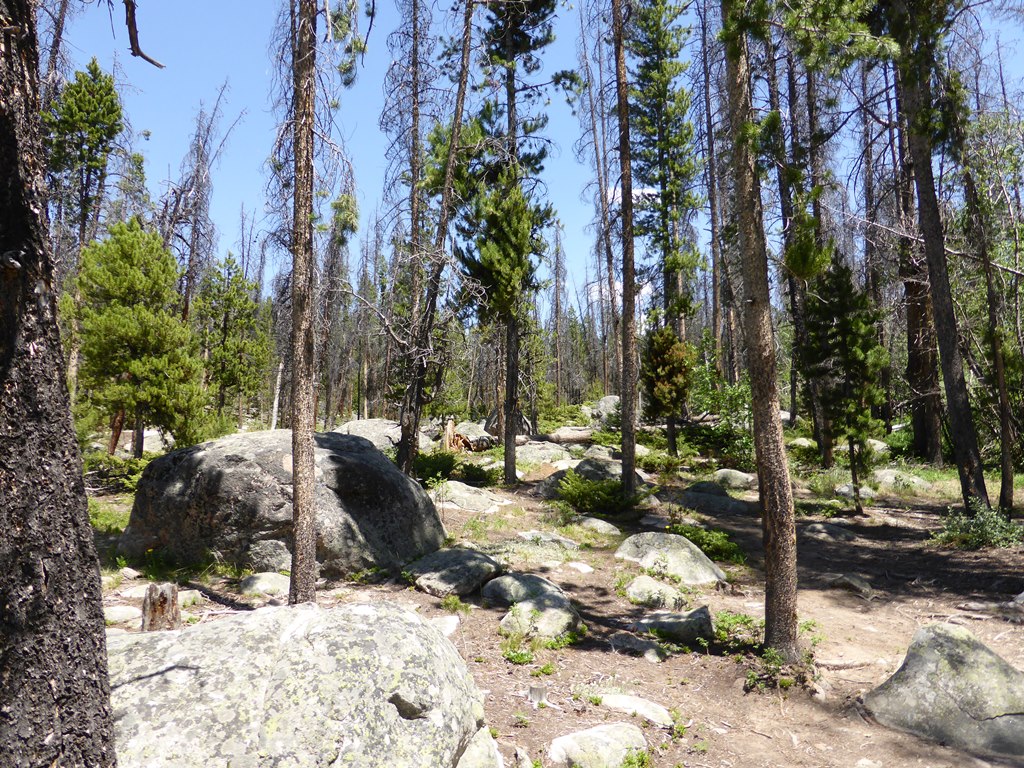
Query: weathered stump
[160, 608]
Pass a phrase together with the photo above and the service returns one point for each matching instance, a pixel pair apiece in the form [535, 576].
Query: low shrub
[113, 473]
[715, 544]
[589, 497]
[980, 528]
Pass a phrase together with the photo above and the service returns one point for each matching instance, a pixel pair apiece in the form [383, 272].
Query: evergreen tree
[844, 357]
[81, 128]
[231, 329]
[138, 358]
[665, 369]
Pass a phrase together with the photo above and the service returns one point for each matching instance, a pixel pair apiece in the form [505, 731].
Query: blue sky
[203, 44]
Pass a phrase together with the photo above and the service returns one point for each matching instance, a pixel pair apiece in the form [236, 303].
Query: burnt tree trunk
[54, 690]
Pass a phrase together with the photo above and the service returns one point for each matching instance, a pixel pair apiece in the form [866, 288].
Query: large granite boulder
[383, 433]
[233, 497]
[367, 684]
[606, 407]
[672, 555]
[953, 689]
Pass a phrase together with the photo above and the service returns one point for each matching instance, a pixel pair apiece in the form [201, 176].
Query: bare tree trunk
[55, 695]
[511, 398]
[917, 99]
[628, 384]
[277, 394]
[304, 568]
[778, 526]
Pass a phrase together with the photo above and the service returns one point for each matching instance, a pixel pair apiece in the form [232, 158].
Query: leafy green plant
[454, 604]
[736, 632]
[566, 639]
[519, 720]
[714, 543]
[113, 473]
[544, 669]
[637, 758]
[474, 474]
[435, 464]
[589, 497]
[981, 528]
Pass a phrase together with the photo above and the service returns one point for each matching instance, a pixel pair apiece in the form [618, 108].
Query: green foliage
[474, 474]
[544, 669]
[980, 528]
[107, 518]
[715, 544]
[566, 639]
[454, 604]
[844, 357]
[727, 437]
[552, 416]
[601, 497]
[804, 258]
[137, 355]
[112, 473]
[665, 365]
[227, 320]
[737, 632]
[637, 758]
[81, 127]
[435, 464]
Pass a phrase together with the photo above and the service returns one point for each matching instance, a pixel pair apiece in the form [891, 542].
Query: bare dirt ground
[858, 640]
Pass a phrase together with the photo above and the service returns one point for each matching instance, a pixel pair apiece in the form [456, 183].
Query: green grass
[108, 518]
[714, 543]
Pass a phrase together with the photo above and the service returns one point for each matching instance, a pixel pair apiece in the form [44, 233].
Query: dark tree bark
[629, 361]
[54, 691]
[778, 525]
[915, 77]
[304, 569]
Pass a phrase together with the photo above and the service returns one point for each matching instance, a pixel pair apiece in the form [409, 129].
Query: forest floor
[856, 639]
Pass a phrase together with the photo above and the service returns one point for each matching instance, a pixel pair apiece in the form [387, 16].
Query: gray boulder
[265, 584]
[606, 746]
[953, 689]
[536, 452]
[455, 571]
[298, 686]
[545, 615]
[233, 496]
[678, 627]
[482, 752]
[828, 532]
[894, 480]
[703, 498]
[709, 488]
[733, 478]
[650, 649]
[803, 443]
[517, 587]
[597, 525]
[468, 497]
[671, 555]
[846, 490]
[606, 407]
[564, 435]
[651, 593]
[600, 452]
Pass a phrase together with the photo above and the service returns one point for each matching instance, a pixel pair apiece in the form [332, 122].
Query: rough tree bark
[778, 526]
[54, 691]
[304, 571]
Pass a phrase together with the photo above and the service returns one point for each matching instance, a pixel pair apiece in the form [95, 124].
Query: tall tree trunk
[304, 567]
[628, 384]
[917, 100]
[54, 690]
[413, 397]
[922, 356]
[511, 398]
[277, 394]
[778, 525]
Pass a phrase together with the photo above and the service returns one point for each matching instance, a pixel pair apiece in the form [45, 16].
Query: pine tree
[228, 320]
[138, 358]
[843, 355]
[665, 368]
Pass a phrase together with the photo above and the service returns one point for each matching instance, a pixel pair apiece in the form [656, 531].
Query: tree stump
[160, 608]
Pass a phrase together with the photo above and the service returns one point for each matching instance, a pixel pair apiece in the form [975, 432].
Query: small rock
[634, 705]
[271, 584]
[828, 532]
[846, 491]
[543, 537]
[580, 567]
[121, 614]
[187, 597]
[129, 573]
[709, 487]
[849, 581]
[547, 615]
[803, 443]
[671, 555]
[454, 571]
[482, 752]
[517, 587]
[446, 625]
[597, 525]
[683, 628]
[651, 593]
[893, 479]
[650, 649]
[456, 494]
[606, 746]
[135, 592]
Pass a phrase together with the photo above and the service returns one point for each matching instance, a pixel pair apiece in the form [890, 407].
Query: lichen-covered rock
[606, 746]
[383, 433]
[954, 689]
[671, 555]
[233, 496]
[895, 480]
[647, 647]
[482, 752]
[635, 705]
[733, 478]
[546, 615]
[454, 571]
[651, 593]
[265, 584]
[468, 497]
[597, 525]
[371, 685]
[606, 407]
[538, 452]
[517, 587]
[828, 532]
